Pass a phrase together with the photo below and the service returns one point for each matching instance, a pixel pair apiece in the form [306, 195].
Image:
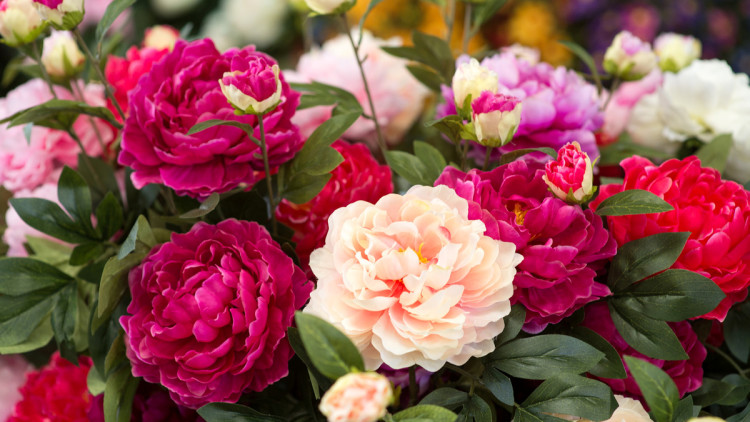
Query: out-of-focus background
[280, 27]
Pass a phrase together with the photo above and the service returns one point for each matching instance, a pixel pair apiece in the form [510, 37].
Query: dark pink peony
[181, 90]
[716, 212]
[358, 178]
[58, 392]
[563, 246]
[687, 374]
[210, 312]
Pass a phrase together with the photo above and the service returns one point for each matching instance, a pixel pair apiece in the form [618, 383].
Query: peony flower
[397, 96]
[27, 164]
[252, 86]
[619, 109]
[123, 73]
[558, 105]
[20, 23]
[571, 177]
[471, 80]
[330, 7]
[230, 25]
[150, 404]
[358, 178]
[61, 57]
[563, 245]
[701, 101]
[182, 90]
[58, 392]
[716, 212]
[687, 374]
[17, 230]
[676, 51]
[63, 14]
[496, 118]
[13, 370]
[357, 397]
[530, 54]
[210, 312]
[161, 37]
[412, 280]
[629, 58]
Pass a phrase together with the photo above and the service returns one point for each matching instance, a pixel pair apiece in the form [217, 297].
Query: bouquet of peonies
[200, 235]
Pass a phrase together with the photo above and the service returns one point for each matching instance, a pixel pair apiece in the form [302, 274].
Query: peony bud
[496, 118]
[161, 37]
[61, 57]
[20, 22]
[252, 87]
[330, 7]
[628, 57]
[571, 177]
[357, 397]
[676, 51]
[63, 14]
[471, 79]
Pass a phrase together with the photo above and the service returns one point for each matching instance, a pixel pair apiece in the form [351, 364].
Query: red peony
[358, 178]
[123, 73]
[716, 212]
[58, 392]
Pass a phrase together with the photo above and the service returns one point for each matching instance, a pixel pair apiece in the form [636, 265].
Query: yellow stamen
[520, 214]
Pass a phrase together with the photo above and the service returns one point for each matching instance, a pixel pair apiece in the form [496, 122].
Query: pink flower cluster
[13, 370]
[563, 246]
[210, 311]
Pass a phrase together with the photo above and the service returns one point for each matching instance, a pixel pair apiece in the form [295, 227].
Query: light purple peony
[181, 90]
[563, 246]
[210, 311]
[558, 105]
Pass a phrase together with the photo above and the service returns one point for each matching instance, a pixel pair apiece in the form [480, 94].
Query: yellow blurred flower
[534, 24]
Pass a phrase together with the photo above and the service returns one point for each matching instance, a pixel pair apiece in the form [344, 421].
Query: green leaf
[59, 114]
[247, 128]
[499, 385]
[476, 409]
[432, 159]
[408, 166]
[427, 77]
[424, 412]
[362, 20]
[64, 322]
[109, 216]
[611, 364]
[584, 55]
[514, 155]
[513, 324]
[712, 391]
[141, 238]
[716, 153]
[673, 295]
[523, 415]
[99, 176]
[317, 94]
[657, 387]
[39, 337]
[446, 397]
[317, 379]
[450, 126]
[543, 356]
[644, 257]
[205, 207]
[47, 217]
[743, 416]
[435, 53]
[228, 412]
[685, 410]
[572, 395]
[119, 392]
[302, 190]
[735, 331]
[740, 391]
[20, 276]
[114, 9]
[85, 252]
[74, 195]
[633, 202]
[330, 350]
[651, 337]
[115, 281]
[27, 313]
[486, 10]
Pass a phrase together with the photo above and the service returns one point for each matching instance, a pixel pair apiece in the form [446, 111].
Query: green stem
[487, 155]
[467, 28]
[373, 114]
[413, 388]
[78, 93]
[727, 358]
[450, 18]
[267, 168]
[38, 59]
[464, 156]
[615, 85]
[97, 68]
[462, 371]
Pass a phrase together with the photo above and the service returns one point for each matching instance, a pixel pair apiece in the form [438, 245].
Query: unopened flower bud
[252, 87]
[676, 51]
[357, 397]
[161, 37]
[471, 79]
[61, 57]
[571, 176]
[20, 23]
[62, 14]
[629, 58]
[330, 7]
[495, 118]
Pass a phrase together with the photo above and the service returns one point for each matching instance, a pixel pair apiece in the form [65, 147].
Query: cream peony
[357, 397]
[411, 280]
[471, 79]
[703, 100]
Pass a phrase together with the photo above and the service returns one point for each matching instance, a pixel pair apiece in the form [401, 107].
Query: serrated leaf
[543, 356]
[572, 395]
[114, 9]
[229, 412]
[330, 350]
[715, 153]
[651, 337]
[426, 412]
[611, 364]
[644, 257]
[657, 387]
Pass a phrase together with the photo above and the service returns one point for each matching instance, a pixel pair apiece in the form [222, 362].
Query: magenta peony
[716, 212]
[687, 374]
[571, 176]
[563, 246]
[57, 392]
[358, 178]
[558, 105]
[181, 90]
[495, 117]
[210, 312]
[252, 86]
[412, 280]
[26, 165]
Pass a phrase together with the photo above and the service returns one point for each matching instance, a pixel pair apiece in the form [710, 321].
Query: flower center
[421, 257]
[520, 213]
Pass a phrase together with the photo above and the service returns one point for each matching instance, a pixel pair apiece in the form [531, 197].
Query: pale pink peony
[618, 111]
[26, 165]
[357, 397]
[571, 174]
[17, 230]
[412, 280]
[397, 96]
[13, 370]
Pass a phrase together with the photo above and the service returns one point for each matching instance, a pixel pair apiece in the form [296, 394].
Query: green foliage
[205, 208]
[735, 331]
[715, 153]
[633, 202]
[422, 168]
[499, 385]
[59, 114]
[317, 94]
[228, 412]
[657, 387]
[610, 366]
[435, 56]
[473, 407]
[329, 350]
[114, 9]
[643, 257]
[513, 324]
[568, 395]
[424, 413]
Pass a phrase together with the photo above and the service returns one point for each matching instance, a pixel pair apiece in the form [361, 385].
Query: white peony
[231, 26]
